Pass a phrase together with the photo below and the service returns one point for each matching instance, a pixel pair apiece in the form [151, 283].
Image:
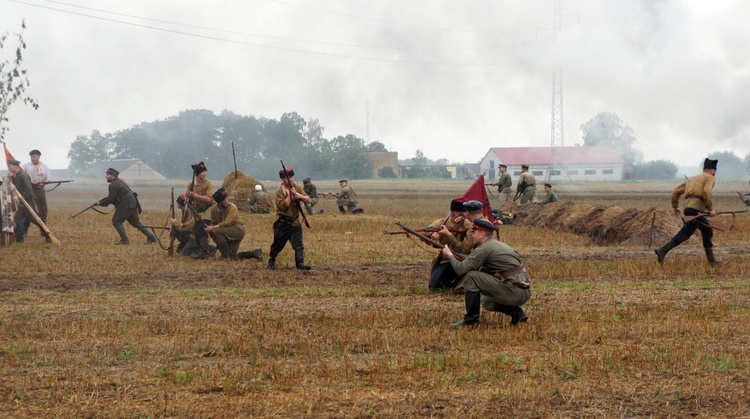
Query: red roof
[573, 155]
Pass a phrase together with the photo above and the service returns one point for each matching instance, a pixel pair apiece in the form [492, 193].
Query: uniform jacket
[346, 196]
[698, 192]
[460, 242]
[526, 181]
[491, 257]
[505, 182]
[226, 217]
[120, 195]
[206, 189]
[22, 181]
[291, 212]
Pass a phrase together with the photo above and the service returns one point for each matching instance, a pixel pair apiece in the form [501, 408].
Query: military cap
[306, 180]
[181, 200]
[220, 195]
[113, 172]
[343, 180]
[502, 165]
[710, 164]
[458, 204]
[288, 173]
[547, 185]
[14, 162]
[483, 225]
[35, 152]
[524, 166]
[199, 168]
[473, 206]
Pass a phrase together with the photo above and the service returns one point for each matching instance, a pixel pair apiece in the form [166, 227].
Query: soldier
[551, 195]
[503, 184]
[199, 200]
[126, 208]
[287, 228]
[347, 198]
[698, 191]
[185, 233]
[312, 192]
[526, 185]
[443, 276]
[260, 202]
[22, 216]
[226, 228]
[39, 173]
[493, 276]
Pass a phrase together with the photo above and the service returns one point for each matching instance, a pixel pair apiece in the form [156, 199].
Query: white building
[130, 169]
[584, 163]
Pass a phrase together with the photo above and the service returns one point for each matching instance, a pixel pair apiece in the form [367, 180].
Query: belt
[517, 270]
[286, 219]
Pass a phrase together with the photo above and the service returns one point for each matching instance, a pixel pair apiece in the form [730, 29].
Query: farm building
[584, 163]
[385, 163]
[130, 169]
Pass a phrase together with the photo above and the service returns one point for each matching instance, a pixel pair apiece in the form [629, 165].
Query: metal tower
[557, 165]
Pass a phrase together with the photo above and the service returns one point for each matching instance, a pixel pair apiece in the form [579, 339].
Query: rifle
[294, 201]
[518, 193]
[489, 190]
[172, 232]
[429, 241]
[234, 158]
[36, 217]
[326, 194]
[688, 218]
[744, 200]
[90, 207]
[188, 200]
[47, 182]
[433, 229]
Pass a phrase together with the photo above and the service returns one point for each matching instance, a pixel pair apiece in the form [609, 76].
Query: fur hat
[289, 173]
[458, 204]
[181, 200]
[710, 164]
[220, 195]
[198, 168]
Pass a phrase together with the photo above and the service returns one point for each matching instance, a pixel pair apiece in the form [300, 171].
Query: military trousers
[504, 197]
[285, 232]
[528, 195]
[123, 214]
[40, 202]
[494, 290]
[232, 236]
[689, 228]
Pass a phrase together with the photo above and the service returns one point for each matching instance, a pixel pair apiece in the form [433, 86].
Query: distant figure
[260, 202]
[23, 216]
[39, 173]
[503, 185]
[312, 191]
[347, 198]
[526, 185]
[745, 198]
[698, 191]
[551, 195]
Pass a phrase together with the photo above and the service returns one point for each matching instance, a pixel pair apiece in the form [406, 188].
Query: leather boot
[310, 210]
[661, 252]
[299, 259]
[223, 250]
[471, 318]
[20, 232]
[123, 235]
[518, 316]
[150, 238]
[255, 254]
[341, 209]
[271, 261]
[204, 253]
[710, 256]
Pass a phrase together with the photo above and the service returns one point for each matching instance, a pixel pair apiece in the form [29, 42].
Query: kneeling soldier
[226, 227]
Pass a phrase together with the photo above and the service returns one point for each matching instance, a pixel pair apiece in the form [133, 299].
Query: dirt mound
[605, 225]
[240, 187]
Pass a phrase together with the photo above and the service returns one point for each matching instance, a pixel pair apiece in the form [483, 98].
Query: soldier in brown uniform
[287, 228]
[526, 186]
[126, 207]
[493, 276]
[199, 201]
[698, 191]
[226, 228]
[503, 185]
[443, 276]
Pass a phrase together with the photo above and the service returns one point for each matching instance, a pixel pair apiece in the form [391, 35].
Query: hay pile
[240, 187]
[606, 226]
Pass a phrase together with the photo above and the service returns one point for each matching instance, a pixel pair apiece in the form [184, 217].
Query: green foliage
[656, 170]
[607, 129]
[172, 144]
[13, 80]
[377, 146]
[387, 172]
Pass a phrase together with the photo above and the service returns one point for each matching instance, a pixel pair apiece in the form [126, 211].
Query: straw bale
[605, 225]
[240, 187]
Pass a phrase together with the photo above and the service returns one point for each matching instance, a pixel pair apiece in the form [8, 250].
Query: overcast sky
[450, 78]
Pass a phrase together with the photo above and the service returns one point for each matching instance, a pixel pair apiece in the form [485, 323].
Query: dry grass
[91, 329]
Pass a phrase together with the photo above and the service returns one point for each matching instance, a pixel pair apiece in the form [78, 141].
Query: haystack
[605, 225]
[240, 187]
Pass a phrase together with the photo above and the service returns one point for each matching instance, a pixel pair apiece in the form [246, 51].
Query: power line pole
[557, 164]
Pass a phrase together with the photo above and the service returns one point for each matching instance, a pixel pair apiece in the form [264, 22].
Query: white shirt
[37, 174]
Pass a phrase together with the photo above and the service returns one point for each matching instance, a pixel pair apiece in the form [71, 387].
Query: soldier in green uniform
[494, 277]
[551, 195]
[442, 275]
[287, 227]
[126, 207]
[199, 200]
[346, 198]
[312, 191]
[260, 202]
[503, 184]
[698, 191]
[226, 228]
[526, 185]
[22, 217]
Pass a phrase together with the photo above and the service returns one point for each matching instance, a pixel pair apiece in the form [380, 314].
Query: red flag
[8, 156]
[477, 192]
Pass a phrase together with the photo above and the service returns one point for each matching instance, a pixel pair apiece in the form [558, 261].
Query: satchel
[137, 203]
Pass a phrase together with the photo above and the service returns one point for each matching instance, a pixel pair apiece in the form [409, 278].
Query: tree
[377, 146]
[13, 80]
[656, 170]
[350, 158]
[606, 129]
[729, 164]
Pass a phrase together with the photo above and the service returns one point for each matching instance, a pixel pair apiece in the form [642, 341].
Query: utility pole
[367, 123]
[557, 164]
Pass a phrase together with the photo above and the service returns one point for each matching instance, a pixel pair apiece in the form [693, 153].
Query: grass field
[88, 329]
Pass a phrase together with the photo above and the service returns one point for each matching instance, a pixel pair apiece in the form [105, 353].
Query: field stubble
[91, 329]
